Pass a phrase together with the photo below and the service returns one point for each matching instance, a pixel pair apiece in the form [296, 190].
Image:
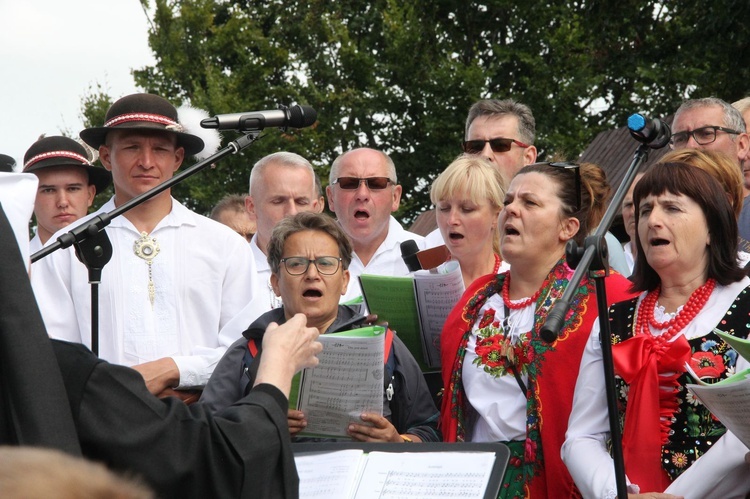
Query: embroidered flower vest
[693, 429]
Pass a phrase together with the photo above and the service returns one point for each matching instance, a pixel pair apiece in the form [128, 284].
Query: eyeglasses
[298, 265]
[704, 135]
[499, 144]
[373, 183]
[576, 168]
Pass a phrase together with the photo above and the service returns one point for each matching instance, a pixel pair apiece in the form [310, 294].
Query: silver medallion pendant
[147, 248]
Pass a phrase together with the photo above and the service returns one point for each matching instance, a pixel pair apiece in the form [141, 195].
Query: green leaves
[400, 76]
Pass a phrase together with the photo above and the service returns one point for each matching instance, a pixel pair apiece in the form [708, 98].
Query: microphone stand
[92, 245]
[593, 259]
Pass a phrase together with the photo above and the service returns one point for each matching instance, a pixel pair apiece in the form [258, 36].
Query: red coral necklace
[689, 311]
[523, 303]
[497, 264]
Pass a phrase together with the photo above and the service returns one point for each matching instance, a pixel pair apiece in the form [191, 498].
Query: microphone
[653, 132]
[409, 250]
[285, 117]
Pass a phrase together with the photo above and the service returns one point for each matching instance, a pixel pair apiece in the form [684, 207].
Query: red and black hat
[64, 151]
[145, 111]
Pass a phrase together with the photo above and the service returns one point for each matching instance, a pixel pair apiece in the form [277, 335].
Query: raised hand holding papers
[347, 382]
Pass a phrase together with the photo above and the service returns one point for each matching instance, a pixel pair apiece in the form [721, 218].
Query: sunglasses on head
[499, 144]
[576, 169]
[373, 183]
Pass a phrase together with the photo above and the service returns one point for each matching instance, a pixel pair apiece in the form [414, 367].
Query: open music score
[416, 306]
[347, 382]
[355, 474]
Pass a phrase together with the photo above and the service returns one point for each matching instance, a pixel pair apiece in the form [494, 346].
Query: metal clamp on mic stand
[92, 245]
[593, 259]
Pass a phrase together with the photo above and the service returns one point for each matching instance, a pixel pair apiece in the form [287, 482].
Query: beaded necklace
[523, 303]
[692, 308]
[497, 264]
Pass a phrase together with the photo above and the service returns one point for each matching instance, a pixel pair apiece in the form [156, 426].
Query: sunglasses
[576, 169]
[373, 183]
[499, 144]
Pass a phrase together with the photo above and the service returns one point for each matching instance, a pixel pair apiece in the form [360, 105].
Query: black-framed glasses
[373, 183]
[702, 136]
[498, 144]
[298, 265]
[575, 168]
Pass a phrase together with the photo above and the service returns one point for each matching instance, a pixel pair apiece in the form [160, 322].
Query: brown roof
[424, 223]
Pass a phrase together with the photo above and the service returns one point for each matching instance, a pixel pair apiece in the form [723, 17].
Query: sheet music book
[729, 399]
[415, 307]
[347, 381]
[389, 471]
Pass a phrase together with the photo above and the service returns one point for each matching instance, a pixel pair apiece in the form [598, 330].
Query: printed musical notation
[347, 382]
[452, 475]
[327, 475]
[353, 474]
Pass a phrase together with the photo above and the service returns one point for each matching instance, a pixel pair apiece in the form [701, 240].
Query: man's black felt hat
[144, 111]
[64, 151]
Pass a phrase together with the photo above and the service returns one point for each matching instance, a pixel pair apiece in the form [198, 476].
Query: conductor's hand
[381, 430]
[296, 421]
[287, 349]
[160, 376]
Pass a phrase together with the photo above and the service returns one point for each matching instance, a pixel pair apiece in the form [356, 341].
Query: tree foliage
[400, 76]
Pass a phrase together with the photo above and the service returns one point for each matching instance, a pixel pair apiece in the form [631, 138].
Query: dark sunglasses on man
[373, 183]
[499, 144]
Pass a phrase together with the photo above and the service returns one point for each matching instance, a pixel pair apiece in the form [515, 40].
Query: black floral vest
[693, 428]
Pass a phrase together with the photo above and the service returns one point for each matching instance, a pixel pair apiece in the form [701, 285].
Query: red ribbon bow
[639, 361]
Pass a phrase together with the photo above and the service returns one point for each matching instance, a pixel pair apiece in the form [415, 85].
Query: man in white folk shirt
[363, 191]
[175, 277]
[282, 184]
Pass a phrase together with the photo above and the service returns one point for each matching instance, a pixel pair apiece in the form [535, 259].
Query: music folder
[358, 470]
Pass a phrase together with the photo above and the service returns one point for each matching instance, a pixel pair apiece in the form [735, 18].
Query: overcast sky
[52, 52]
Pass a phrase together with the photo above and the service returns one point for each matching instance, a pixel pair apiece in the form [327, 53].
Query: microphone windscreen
[409, 250]
[302, 116]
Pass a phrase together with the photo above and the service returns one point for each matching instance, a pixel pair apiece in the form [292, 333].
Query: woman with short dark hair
[309, 256]
[690, 283]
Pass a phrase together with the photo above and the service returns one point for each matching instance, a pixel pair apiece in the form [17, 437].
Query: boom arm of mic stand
[595, 250]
